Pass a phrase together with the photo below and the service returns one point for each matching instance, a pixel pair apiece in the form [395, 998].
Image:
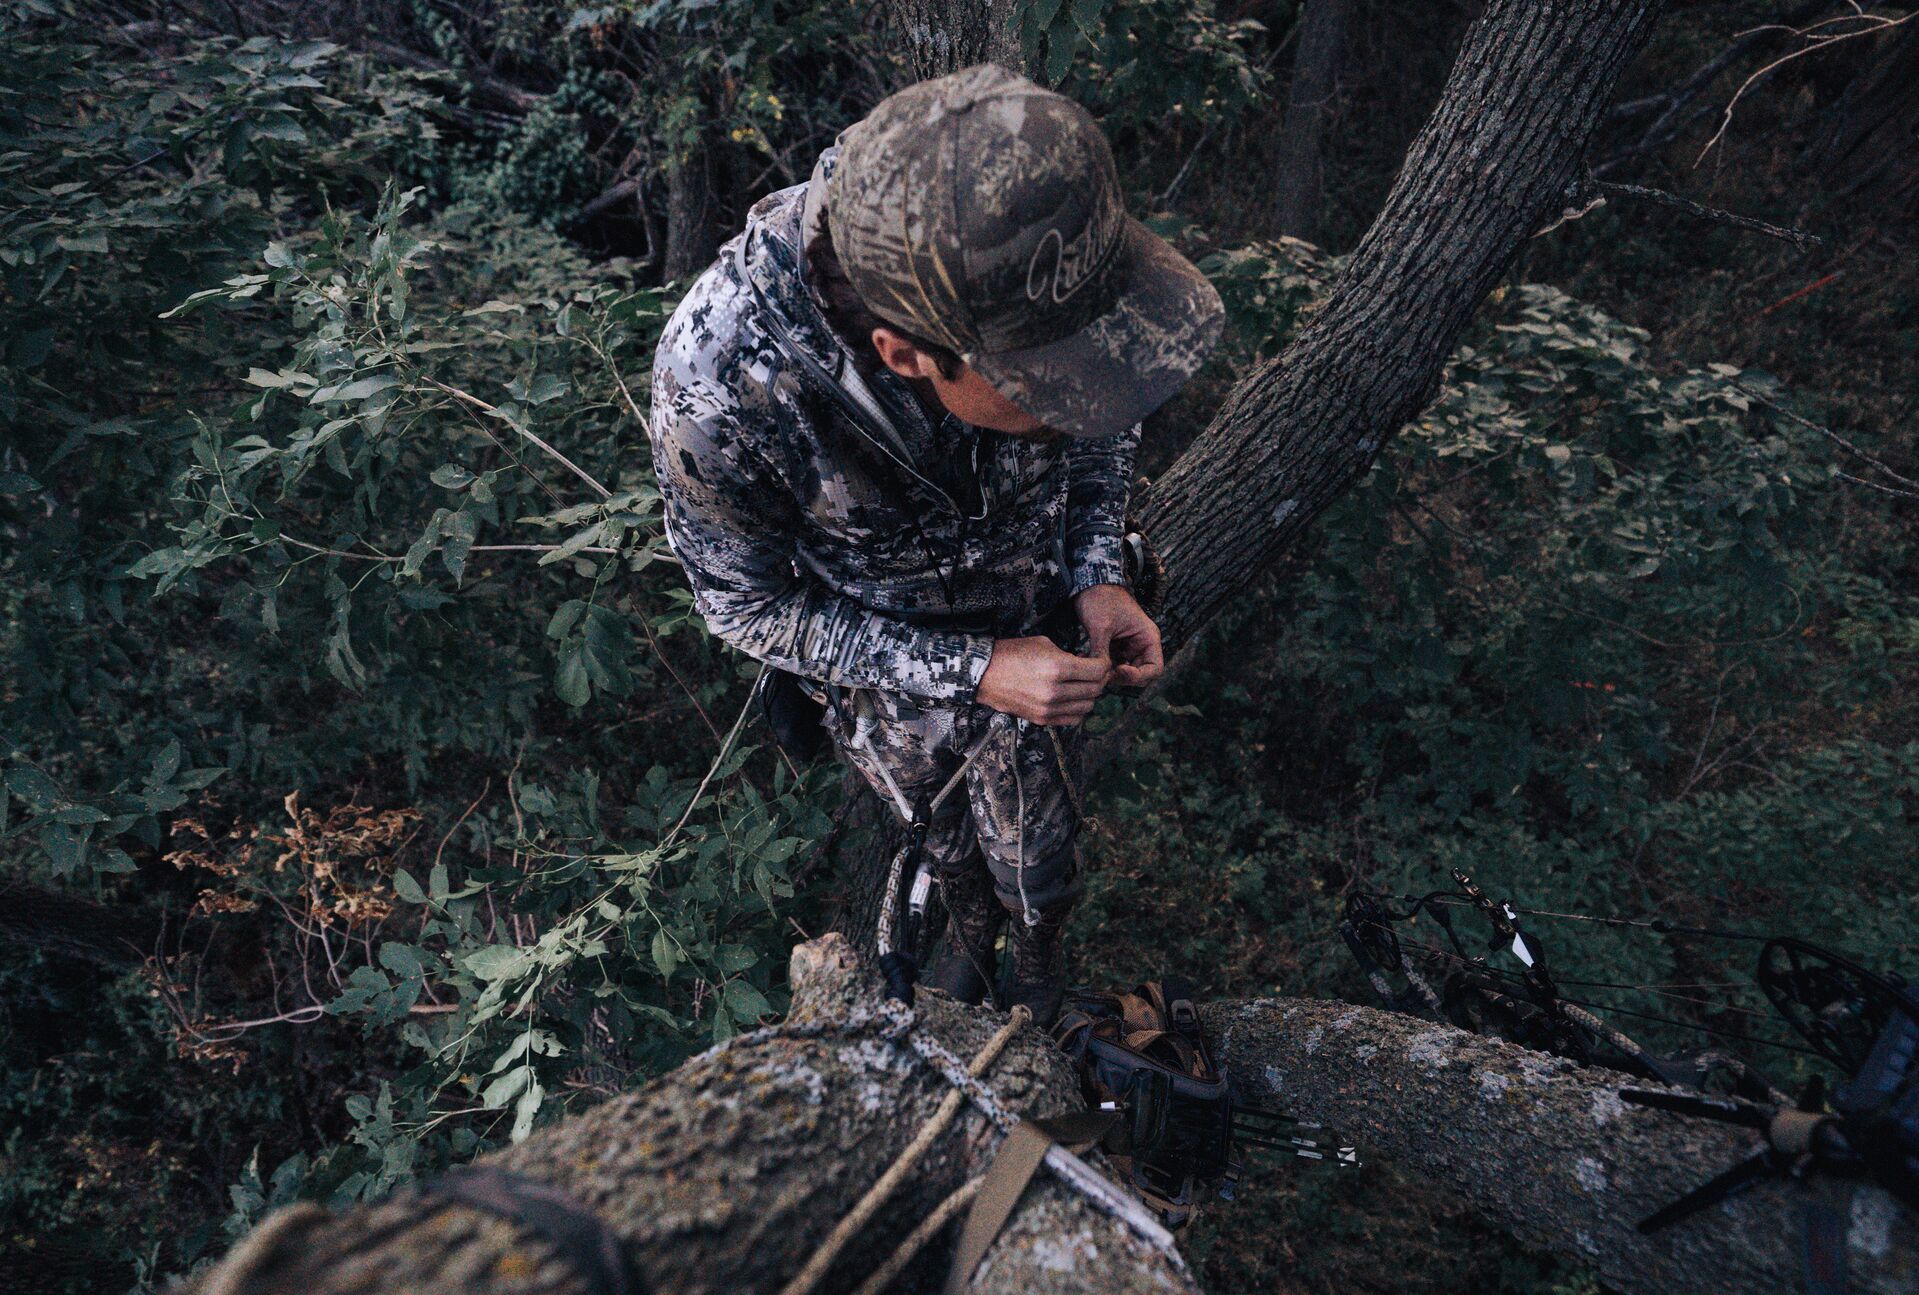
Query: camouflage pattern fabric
[1021, 816]
[883, 556]
[983, 211]
[880, 560]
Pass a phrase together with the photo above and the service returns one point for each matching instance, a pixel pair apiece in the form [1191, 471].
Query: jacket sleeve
[1099, 474]
[734, 527]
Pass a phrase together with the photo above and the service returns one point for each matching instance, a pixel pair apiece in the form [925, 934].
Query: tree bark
[1322, 34]
[1548, 1150]
[941, 36]
[725, 1175]
[1868, 153]
[691, 241]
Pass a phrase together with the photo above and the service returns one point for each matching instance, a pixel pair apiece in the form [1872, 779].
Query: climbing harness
[1143, 1055]
[902, 943]
[1863, 1023]
[904, 934]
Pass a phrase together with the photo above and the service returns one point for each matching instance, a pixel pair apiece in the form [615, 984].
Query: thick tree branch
[1548, 1150]
[725, 1175]
[109, 934]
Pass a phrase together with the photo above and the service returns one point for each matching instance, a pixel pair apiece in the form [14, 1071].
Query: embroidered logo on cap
[1058, 268]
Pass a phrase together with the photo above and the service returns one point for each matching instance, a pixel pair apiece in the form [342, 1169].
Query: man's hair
[848, 316]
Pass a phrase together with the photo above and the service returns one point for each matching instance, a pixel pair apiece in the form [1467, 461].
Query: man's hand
[1121, 631]
[1033, 679]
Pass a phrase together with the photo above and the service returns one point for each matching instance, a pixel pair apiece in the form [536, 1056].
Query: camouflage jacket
[853, 542]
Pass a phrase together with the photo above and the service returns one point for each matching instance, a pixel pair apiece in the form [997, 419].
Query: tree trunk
[1309, 107]
[1548, 1150]
[1493, 166]
[1868, 154]
[691, 241]
[725, 1175]
[941, 36]
[112, 935]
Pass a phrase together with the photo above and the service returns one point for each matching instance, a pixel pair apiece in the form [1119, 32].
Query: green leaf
[747, 1004]
[527, 1108]
[93, 240]
[402, 959]
[571, 681]
[545, 387]
[506, 1087]
[358, 389]
[498, 961]
[407, 888]
[39, 791]
[665, 956]
[166, 763]
[731, 959]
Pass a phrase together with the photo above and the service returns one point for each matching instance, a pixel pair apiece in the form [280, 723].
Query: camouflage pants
[1013, 806]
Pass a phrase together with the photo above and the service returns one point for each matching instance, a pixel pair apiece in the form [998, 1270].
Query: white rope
[880, 1192]
[1069, 1168]
[1026, 912]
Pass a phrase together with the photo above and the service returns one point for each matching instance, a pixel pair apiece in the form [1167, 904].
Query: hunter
[894, 426]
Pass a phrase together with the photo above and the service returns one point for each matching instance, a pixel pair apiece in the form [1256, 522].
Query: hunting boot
[974, 916]
[1038, 976]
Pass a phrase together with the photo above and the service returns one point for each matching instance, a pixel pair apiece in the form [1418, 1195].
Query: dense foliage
[337, 621]
[392, 562]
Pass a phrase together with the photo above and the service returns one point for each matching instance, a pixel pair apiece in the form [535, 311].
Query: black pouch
[792, 715]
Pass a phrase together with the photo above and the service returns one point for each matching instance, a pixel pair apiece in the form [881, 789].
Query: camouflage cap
[982, 211]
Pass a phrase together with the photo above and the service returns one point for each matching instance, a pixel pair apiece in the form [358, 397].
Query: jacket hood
[772, 255]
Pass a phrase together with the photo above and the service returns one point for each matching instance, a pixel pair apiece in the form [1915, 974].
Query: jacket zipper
[847, 397]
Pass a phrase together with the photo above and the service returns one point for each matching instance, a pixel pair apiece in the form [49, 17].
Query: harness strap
[580, 1235]
[1019, 1158]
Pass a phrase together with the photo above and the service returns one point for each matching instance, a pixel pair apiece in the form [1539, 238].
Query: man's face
[968, 397]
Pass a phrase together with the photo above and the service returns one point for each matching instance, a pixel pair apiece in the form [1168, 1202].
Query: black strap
[581, 1236]
[1827, 1225]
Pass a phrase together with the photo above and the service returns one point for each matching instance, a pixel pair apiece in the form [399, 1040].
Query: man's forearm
[1099, 482]
[825, 636]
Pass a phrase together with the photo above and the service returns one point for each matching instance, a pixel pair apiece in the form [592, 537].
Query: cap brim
[1129, 361]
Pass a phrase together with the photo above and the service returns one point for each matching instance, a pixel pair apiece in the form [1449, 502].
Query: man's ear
[901, 356]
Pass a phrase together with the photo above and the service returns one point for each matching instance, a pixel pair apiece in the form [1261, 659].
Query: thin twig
[484, 789]
[1797, 237]
[1815, 40]
[480, 404]
[726, 746]
[1829, 434]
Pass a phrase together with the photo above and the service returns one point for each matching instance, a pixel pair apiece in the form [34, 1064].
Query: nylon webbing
[1019, 1158]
